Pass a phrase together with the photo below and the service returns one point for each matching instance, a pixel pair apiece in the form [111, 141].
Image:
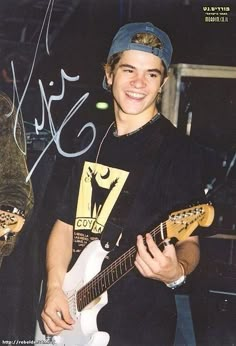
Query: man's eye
[153, 75]
[128, 70]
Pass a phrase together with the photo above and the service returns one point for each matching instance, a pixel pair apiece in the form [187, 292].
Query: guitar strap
[110, 236]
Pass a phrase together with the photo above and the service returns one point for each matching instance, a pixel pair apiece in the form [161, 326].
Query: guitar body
[85, 332]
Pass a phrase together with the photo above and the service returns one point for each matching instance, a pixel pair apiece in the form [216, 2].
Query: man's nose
[138, 81]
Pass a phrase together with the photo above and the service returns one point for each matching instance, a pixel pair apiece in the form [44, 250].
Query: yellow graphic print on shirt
[100, 187]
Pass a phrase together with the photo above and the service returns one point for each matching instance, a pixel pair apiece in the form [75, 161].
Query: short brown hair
[146, 39]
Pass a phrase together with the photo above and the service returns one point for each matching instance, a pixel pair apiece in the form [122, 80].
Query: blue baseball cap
[123, 41]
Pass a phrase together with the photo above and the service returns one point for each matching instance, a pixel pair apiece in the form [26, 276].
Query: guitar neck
[179, 226]
[115, 271]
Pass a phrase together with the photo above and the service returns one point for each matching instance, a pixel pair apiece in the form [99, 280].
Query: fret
[125, 264]
[86, 300]
[122, 267]
[100, 286]
[103, 283]
[112, 277]
[90, 294]
[93, 292]
[130, 259]
[79, 305]
[106, 278]
[80, 300]
[109, 278]
[160, 234]
[119, 269]
[116, 274]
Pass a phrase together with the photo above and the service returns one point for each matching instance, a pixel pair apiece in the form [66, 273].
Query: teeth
[135, 95]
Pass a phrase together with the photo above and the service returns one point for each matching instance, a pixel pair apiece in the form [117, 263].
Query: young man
[138, 169]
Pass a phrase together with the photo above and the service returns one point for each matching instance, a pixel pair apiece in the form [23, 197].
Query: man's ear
[109, 75]
[109, 79]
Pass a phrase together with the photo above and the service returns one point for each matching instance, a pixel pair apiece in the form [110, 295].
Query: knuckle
[46, 310]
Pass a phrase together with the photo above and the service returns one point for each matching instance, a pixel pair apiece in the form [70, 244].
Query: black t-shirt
[128, 184]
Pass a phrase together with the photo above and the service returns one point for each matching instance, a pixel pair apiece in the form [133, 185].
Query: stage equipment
[201, 101]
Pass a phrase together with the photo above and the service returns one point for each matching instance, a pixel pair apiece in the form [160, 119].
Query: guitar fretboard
[179, 226]
[115, 271]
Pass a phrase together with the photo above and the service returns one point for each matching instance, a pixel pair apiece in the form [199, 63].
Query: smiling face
[135, 83]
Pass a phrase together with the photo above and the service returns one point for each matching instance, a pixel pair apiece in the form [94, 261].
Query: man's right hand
[56, 315]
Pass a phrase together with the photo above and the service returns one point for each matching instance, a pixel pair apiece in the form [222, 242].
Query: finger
[52, 331]
[143, 268]
[49, 326]
[169, 249]
[55, 320]
[60, 322]
[148, 260]
[147, 271]
[152, 247]
[139, 267]
[142, 249]
[66, 316]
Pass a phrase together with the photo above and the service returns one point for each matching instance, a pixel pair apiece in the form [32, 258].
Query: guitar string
[83, 293]
[112, 268]
[86, 294]
[86, 291]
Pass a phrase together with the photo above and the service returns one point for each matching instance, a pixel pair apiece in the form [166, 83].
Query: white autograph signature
[46, 103]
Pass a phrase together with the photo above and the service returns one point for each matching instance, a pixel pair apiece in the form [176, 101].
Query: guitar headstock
[10, 222]
[182, 223]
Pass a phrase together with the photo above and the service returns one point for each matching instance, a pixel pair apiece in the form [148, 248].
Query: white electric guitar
[85, 285]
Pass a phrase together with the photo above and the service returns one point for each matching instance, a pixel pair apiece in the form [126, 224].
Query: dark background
[80, 33]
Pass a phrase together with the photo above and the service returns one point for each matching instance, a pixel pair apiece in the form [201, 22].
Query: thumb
[65, 312]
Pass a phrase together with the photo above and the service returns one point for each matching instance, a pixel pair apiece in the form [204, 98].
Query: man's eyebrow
[127, 65]
[148, 70]
[154, 70]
